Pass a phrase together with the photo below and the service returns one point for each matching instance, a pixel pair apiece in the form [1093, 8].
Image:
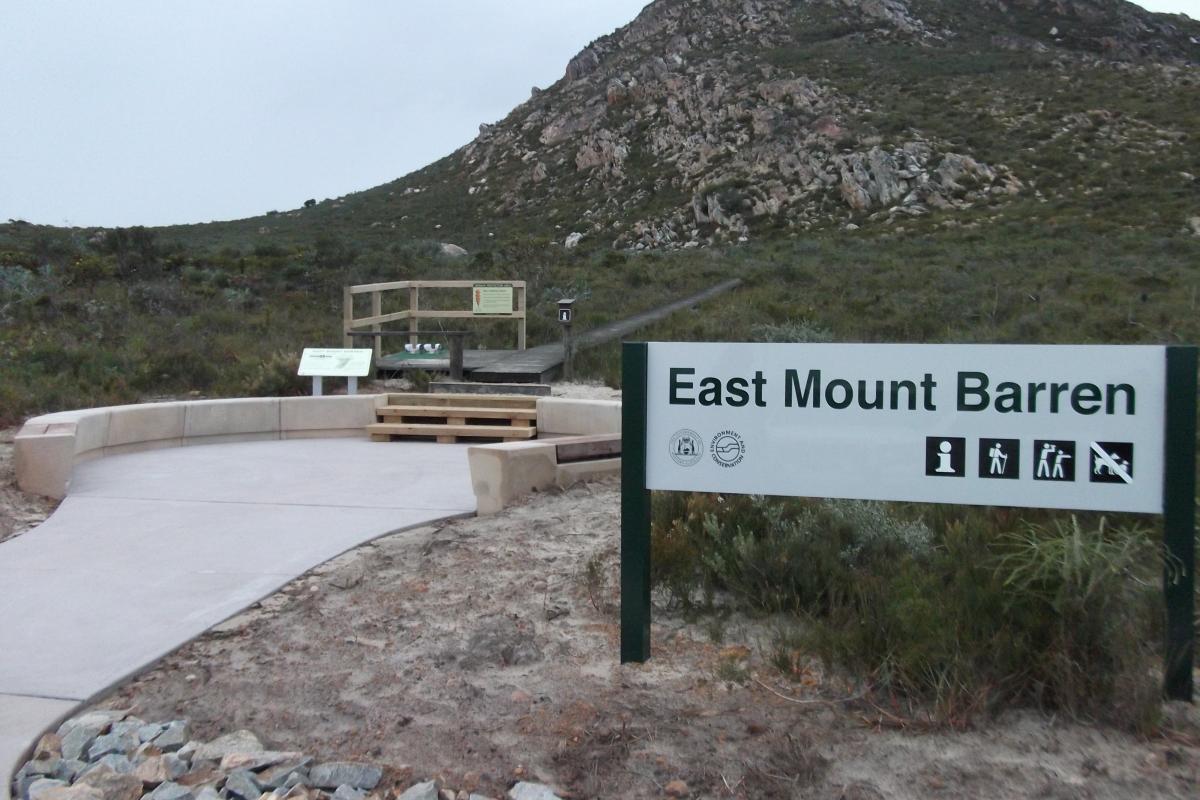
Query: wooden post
[347, 317]
[377, 310]
[414, 300]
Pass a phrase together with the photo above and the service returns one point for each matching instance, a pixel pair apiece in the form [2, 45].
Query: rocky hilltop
[689, 125]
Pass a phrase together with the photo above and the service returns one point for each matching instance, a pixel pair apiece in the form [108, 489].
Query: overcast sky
[152, 112]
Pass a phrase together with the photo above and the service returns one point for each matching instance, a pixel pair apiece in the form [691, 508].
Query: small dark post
[635, 507]
[456, 354]
[566, 315]
[1179, 522]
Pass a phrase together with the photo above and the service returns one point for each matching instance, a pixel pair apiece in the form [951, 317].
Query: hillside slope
[719, 120]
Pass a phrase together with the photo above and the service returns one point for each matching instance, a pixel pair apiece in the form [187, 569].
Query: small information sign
[492, 299]
[335, 362]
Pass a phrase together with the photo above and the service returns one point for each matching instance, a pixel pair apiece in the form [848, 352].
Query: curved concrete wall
[47, 448]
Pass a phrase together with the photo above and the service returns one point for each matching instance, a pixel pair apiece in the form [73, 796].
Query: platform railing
[414, 313]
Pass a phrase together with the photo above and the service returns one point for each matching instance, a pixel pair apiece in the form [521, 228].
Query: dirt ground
[484, 651]
[19, 512]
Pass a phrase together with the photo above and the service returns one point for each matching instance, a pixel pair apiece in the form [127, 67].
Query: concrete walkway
[151, 549]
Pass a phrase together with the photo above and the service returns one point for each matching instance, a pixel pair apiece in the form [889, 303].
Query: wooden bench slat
[461, 400]
[432, 429]
[479, 412]
[587, 448]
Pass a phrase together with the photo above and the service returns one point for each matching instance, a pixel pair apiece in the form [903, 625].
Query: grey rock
[452, 250]
[77, 740]
[69, 769]
[333, 774]
[294, 780]
[421, 791]
[160, 769]
[348, 793]
[188, 751]
[173, 736]
[110, 785]
[236, 742]
[170, 791]
[45, 766]
[278, 775]
[131, 725]
[146, 733]
[93, 719]
[241, 784]
[117, 762]
[208, 793]
[532, 791]
[121, 743]
[40, 787]
[257, 761]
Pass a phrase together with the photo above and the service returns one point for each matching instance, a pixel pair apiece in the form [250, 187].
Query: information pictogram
[946, 456]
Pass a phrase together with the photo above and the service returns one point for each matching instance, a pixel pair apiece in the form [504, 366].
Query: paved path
[151, 549]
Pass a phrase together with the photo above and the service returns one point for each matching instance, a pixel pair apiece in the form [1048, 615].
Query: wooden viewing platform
[540, 364]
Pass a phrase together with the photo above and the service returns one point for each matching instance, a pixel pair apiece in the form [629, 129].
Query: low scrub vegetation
[946, 611]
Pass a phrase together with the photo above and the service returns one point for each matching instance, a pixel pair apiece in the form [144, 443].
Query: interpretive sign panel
[1047, 427]
[492, 299]
[1101, 428]
[335, 362]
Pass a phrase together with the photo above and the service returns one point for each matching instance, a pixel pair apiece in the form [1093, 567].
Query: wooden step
[384, 431]
[456, 411]
[463, 400]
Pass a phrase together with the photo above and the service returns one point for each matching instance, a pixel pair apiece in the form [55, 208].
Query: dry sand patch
[485, 650]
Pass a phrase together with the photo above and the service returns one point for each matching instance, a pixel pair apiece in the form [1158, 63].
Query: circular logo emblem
[727, 449]
[686, 448]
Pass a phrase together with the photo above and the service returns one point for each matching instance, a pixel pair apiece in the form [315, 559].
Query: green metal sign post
[635, 507]
[1179, 523]
[1178, 510]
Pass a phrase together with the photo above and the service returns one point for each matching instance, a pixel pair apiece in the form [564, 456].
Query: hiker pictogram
[1053, 460]
[1112, 462]
[946, 456]
[1000, 458]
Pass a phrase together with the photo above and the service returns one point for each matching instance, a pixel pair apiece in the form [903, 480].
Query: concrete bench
[578, 440]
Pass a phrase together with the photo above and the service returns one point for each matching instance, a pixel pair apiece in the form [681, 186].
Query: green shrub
[964, 614]
[276, 376]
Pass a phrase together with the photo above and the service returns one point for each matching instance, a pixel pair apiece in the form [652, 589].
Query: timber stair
[450, 418]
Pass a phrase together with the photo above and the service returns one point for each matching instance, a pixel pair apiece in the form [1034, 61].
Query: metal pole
[317, 386]
[568, 353]
[635, 507]
[1179, 523]
[352, 385]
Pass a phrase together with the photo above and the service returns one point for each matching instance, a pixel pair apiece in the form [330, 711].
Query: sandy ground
[486, 650]
[19, 512]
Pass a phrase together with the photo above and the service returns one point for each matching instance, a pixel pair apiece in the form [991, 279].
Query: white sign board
[335, 362]
[1071, 427]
